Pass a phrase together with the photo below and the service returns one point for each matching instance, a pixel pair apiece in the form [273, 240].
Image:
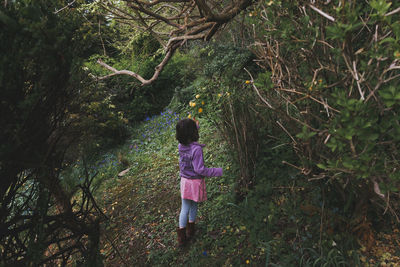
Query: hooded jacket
[191, 162]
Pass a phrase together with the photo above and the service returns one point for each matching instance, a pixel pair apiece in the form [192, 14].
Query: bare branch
[322, 13]
[181, 22]
[157, 71]
[397, 10]
[258, 92]
[55, 12]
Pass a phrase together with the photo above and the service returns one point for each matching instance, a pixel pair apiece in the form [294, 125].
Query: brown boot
[190, 230]
[181, 236]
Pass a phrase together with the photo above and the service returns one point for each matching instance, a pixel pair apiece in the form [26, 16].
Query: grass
[280, 223]
[143, 206]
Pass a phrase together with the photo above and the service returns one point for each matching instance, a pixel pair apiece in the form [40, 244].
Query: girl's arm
[198, 165]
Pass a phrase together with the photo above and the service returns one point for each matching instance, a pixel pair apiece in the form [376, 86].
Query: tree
[40, 79]
[172, 23]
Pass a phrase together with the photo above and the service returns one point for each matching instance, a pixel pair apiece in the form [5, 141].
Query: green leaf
[335, 32]
[321, 166]
[348, 135]
[388, 40]
[372, 137]
[348, 164]
[381, 6]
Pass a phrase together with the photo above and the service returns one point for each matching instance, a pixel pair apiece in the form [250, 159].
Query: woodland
[298, 101]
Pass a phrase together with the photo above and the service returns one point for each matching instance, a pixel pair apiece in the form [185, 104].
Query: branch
[322, 13]
[184, 23]
[157, 71]
[154, 15]
[55, 12]
[258, 92]
[393, 12]
[377, 190]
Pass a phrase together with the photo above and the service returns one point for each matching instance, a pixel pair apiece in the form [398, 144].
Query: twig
[322, 222]
[377, 190]
[294, 141]
[101, 39]
[358, 81]
[393, 12]
[322, 13]
[69, 4]
[116, 249]
[291, 165]
[256, 89]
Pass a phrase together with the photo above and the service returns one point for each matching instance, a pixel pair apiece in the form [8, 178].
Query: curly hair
[186, 131]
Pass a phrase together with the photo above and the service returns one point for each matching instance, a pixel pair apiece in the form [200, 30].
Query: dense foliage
[334, 75]
[41, 82]
[298, 102]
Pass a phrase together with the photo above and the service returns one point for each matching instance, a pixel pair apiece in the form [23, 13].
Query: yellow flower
[248, 82]
[310, 88]
[247, 262]
[219, 95]
[270, 3]
[200, 110]
[202, 102]
[228, 94]
[190, 103]
[189, 116]
[197, 96]
[320, 81]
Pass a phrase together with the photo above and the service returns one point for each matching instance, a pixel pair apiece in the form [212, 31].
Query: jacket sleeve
[198, 165]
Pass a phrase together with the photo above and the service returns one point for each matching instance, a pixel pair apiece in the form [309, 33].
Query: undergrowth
[281, 222]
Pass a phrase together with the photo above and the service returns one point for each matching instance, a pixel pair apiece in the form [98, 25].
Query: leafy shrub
[330, 74]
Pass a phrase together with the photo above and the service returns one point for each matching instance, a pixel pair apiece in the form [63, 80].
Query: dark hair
[186, 131]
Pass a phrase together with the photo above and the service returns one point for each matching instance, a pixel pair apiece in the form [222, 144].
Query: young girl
[192, 172]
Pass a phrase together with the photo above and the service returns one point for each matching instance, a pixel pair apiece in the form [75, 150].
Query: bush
[334, 87]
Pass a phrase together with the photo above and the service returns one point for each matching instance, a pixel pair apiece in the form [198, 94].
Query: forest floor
[143, 209]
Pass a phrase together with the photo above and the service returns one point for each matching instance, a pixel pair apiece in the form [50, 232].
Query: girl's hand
[197, 122]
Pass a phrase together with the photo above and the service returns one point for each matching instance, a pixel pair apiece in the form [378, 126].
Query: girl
[192, 172]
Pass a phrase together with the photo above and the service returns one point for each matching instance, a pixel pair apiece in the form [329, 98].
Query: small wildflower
[200, 110]
[310, 88]
[189, 116]
[202, 102]
[247, 261]
[197, 96]
[219, 95]
[320, 81]
[270, 3]
[193, 104]
[248, 82]
[228, 94]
